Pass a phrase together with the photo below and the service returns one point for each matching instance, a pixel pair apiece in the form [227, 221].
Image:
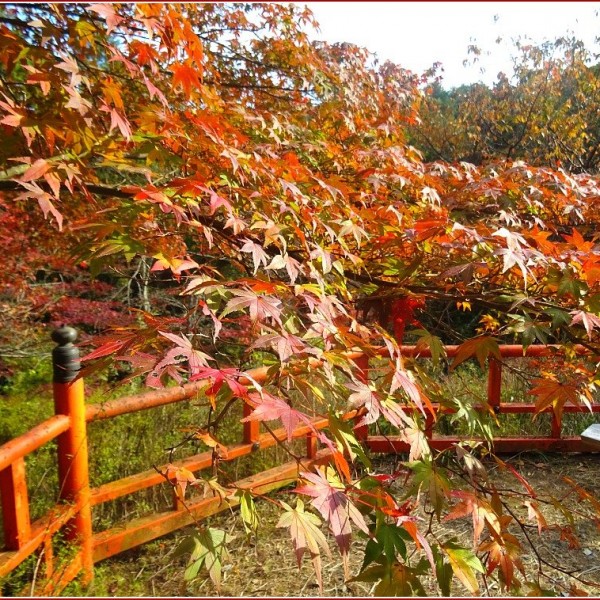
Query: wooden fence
[72, 515]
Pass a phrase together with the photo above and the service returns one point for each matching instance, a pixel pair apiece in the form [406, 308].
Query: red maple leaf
[269, 408]
[219, 377]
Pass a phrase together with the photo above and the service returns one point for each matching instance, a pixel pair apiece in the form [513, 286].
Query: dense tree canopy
[262, 194]
[545, 112]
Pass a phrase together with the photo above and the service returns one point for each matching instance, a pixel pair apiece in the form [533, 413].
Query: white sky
[417, 34]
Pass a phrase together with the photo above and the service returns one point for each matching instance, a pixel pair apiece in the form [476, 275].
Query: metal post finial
[65, 356]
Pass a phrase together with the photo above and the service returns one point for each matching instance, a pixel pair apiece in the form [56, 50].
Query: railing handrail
[155, 398]
[49, 429]
[33, 439]
[505, 350]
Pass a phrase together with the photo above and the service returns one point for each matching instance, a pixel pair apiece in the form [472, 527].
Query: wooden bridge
[72, 515]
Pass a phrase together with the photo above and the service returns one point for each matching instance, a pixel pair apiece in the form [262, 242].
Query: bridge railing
[72, 515]
[555, 441]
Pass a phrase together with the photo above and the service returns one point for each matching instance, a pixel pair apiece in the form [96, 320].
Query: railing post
[251, 428]
[494, 383]
[311, 444]
[15, 505]
[556, 427]
[73, 474]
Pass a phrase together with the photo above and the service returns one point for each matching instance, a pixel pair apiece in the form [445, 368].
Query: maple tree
[267, 182]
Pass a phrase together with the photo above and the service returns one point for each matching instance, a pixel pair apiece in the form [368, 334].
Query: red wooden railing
[73, 513]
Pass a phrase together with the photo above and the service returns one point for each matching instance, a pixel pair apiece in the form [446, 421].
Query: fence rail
[72, 514]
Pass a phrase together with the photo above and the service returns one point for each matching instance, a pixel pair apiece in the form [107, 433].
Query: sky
[417, 34]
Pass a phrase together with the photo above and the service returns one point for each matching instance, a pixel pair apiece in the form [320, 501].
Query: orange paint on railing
[15, 505]
[131, 404]
[73, 476]
[35, 438]
[392, 444]
[41, 530]
[506, 350]
[199, 462]
[494, 382]
[251, 428]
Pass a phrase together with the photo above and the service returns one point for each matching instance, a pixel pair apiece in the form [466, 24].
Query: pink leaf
[270, 408]
[116, 120]
[331, 500]
[259, 256]
[259, 307]
[37, 169]
[107, 12]
[589, 320]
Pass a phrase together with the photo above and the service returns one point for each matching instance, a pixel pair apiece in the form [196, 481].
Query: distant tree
[544, 112]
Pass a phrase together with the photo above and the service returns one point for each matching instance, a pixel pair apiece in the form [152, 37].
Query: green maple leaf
[207, 548]
[464, 564]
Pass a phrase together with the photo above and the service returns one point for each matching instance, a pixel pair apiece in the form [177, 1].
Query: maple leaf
[211, 441]
[176, 265]
[481, 511]
[37, 169]
[269, 408]
[480, 347]
[248, 510]
[184, 351]
[107, 12]
[576, 239]
[259, 256]
[286, 345]
[259, 307]
[345, 440]
[365, 396]
[187, 77]
[119, 121]
[182, 478]
[464, 564]
[106, 349]
[218, 377]
[370, 400]
[504, 553]
[54, 182]
[207, 548]
[425, 340]
[306, 535]
[339, 460]
[402, 380]
[430, 478]
[238, 225]
[44, 200]
[534, 514]
[331, 500]
[553, 393]
[589, 320]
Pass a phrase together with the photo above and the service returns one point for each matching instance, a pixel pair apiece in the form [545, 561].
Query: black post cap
[65, 356]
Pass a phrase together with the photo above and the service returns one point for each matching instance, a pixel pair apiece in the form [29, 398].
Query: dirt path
[266, 566]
